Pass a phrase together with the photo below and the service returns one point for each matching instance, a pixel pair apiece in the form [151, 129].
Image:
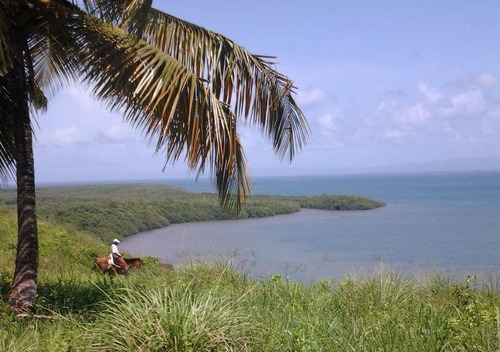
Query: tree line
[110, 211]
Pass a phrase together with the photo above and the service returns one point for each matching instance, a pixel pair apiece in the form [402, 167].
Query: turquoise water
[446, 222]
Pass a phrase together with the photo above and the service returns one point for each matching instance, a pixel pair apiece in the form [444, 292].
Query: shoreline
[118, 211]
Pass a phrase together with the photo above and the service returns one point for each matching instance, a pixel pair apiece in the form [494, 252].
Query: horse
[104, 264]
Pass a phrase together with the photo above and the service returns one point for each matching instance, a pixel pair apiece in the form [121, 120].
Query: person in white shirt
[116, 255]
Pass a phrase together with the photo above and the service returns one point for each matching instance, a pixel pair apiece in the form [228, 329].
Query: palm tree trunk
[23, 290]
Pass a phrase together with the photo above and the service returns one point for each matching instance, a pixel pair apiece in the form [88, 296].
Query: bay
[444, 222]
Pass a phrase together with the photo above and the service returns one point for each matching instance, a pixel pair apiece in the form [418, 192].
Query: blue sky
[381, 83]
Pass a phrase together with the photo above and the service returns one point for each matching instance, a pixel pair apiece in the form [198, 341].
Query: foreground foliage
[213, 307]
[110, 211]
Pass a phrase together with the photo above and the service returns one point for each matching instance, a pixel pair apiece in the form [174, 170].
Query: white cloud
[385, 105]
[315, 95]
[486, 79]
[468, 103]
[327, 124]
[119, 132]
[431, 95]
[471, 101]
[66, 135]
[415, 114]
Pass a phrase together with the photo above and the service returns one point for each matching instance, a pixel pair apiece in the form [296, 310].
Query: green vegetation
[213, 307]
[110, 211]
[337, 202]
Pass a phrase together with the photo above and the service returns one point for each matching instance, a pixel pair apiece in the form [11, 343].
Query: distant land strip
[110, 211]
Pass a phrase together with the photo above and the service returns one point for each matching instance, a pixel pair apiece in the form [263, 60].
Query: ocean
[447, 223]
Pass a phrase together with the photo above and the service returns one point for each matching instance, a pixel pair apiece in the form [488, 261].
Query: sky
[383, 84]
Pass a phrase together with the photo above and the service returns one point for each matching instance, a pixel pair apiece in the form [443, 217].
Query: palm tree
[183, 86]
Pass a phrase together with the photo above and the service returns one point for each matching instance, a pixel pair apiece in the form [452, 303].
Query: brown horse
[105, 266]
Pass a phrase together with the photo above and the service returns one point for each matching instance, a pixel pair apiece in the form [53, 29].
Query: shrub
[177, 318]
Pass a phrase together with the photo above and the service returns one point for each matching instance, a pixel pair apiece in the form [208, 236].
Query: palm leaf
[249, 83]
[160, 96]
[182, 85]
[7, 163]
[5, 55]
[130, 15]
[7, 149]
[54, 67]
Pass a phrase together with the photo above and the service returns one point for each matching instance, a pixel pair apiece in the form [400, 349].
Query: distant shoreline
[121, 210]
[206, 181]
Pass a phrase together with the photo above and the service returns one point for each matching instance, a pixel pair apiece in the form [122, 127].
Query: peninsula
[121, 210]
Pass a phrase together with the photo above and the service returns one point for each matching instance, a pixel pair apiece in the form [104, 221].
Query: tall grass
[206, 307]
[171, 319]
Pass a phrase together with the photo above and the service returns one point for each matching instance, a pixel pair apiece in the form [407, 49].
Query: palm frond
[7, 149]
[130, 15]
[233, 178]
[182, 85]
[54, 63]
[5, 55]
[160, 96]
[249, 83]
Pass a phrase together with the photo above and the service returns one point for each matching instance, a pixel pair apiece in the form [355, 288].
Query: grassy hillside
[64, 255]
[213, 307]
[110, 211]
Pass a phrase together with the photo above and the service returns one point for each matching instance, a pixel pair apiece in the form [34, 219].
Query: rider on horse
[116, 256]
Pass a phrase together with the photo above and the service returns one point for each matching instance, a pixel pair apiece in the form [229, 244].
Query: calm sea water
[446, 222]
